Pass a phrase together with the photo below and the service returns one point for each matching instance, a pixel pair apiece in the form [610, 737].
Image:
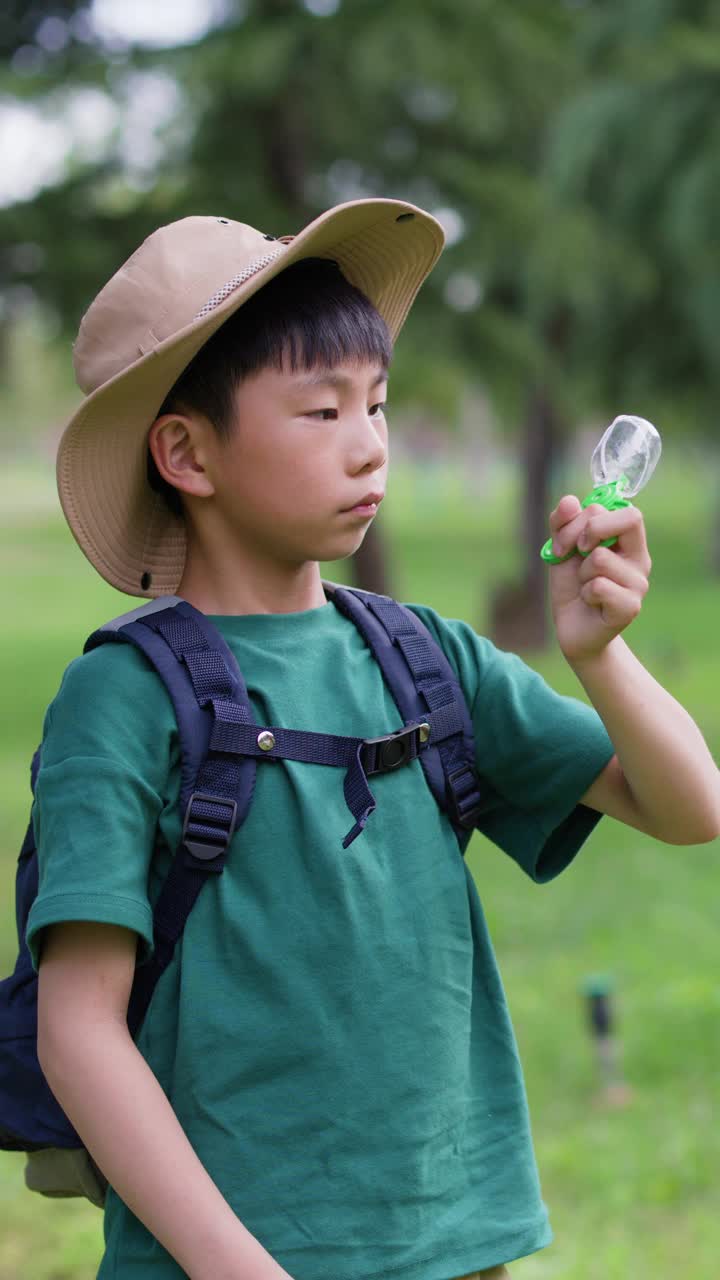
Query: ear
[178, 449]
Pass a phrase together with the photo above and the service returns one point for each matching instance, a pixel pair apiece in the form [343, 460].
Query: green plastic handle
[604, 495]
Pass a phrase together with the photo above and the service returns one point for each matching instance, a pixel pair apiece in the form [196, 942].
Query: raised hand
[597, 594]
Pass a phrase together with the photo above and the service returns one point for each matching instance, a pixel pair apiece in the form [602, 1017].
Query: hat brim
[384, 247]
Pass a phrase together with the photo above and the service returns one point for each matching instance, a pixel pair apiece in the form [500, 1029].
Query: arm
[120, 1111]
[662, 779]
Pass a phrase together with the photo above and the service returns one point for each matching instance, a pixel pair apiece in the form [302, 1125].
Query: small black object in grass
[597, 990]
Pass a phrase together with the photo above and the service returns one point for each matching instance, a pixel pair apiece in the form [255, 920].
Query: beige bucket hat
[149, 321]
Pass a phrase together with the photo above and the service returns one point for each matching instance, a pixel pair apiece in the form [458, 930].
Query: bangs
[345, 328]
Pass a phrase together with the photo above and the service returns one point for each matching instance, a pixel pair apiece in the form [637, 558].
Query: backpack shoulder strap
[421, 680]
[202, 678]
[195, 665]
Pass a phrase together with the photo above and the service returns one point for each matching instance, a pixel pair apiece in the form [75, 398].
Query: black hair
[308, 315]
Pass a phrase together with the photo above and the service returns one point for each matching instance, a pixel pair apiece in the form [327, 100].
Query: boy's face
[305, 448]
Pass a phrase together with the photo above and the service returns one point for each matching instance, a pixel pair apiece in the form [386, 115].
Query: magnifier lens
[631, 448]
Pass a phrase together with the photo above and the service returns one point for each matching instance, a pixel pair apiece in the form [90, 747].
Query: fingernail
[583, 541]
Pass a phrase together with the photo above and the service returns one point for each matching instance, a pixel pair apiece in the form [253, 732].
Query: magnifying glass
[622, 463]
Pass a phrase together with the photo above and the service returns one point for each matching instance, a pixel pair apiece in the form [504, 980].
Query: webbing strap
[421, 680]
[310, 748]
[362, 757]
[197, 667]
[437, 683]
[215, 678]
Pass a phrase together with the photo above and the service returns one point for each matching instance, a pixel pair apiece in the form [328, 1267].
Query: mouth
[366, 506]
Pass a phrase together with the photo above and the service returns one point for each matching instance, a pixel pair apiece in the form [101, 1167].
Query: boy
[326, 1084]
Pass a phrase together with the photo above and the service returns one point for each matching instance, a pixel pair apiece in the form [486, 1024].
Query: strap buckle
[393, 750]
[208, 826]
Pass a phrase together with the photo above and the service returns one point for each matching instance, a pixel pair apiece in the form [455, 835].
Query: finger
[566, 509]
[617, 605]
[604, 562]
[565, 538]
[627, 525]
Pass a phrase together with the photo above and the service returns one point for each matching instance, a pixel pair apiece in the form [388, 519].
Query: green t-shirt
[332, 1032]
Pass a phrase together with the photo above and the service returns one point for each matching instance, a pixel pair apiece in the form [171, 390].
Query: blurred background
[571, 150]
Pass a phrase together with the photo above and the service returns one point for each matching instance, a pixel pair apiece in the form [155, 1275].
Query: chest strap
[362, 757]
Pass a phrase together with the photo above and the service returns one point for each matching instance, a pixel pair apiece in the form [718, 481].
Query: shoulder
[110, 695]
[115, 665]
[511, 703]
[474, 659]
[508, 690]
[113, 670]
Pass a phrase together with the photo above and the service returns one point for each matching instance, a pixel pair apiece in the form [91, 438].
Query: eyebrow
[328, 378]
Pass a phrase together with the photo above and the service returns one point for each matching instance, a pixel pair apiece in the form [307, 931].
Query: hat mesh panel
[234, 283]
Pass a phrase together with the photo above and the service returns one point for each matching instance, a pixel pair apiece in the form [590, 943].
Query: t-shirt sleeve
[99, 793]
[537, 751]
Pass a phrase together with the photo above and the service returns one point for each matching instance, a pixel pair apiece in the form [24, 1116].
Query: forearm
[671, 778]
[125, 1120]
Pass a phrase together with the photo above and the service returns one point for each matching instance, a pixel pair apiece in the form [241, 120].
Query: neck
[236, 582]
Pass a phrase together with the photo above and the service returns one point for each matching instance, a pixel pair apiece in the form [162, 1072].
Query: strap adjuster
[464, 796]
[208, 826]
[393, 750]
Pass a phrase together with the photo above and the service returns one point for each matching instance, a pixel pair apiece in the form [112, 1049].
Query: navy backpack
[221, 745]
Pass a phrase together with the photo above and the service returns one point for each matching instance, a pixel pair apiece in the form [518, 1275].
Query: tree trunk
[519, 610]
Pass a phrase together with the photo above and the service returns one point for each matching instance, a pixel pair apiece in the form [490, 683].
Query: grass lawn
[633, 1190]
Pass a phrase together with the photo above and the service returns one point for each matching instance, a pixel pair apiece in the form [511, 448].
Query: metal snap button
[266, 740]
[424, 732]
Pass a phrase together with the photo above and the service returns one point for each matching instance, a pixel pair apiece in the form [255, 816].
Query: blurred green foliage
[575, 146]
[283, 113]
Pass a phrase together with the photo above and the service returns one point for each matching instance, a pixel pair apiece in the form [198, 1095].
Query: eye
[376, 409]
[327, 415]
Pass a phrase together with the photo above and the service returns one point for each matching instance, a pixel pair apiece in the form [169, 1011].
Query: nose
[369, 444]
